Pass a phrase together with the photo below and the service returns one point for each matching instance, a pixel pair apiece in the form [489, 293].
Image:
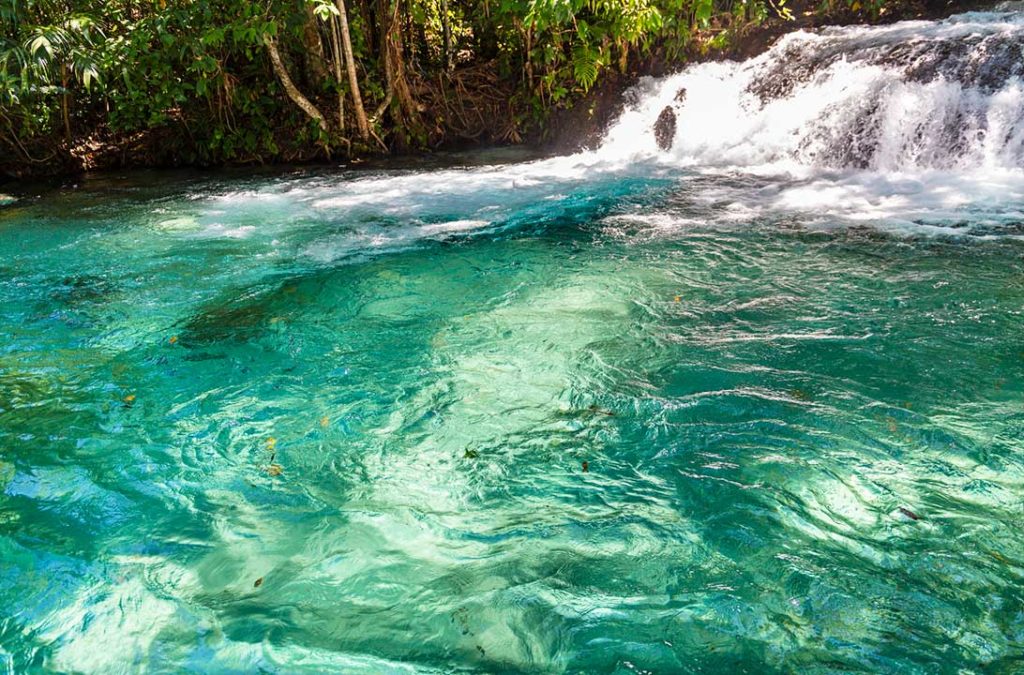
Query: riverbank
[472, 106]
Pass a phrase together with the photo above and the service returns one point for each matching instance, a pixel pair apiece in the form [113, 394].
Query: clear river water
[752, 403]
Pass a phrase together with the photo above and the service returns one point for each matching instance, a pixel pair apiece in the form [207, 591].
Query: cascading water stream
[908, 97]
[747, 404]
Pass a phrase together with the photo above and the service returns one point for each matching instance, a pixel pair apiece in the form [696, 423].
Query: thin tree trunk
[369, 32]
[353, 79]
[338, 58]
[314, 55]
[293, 93]
[446, 31]
[422, 46]
[394, 65]
[65, 105]
[409, 41]
[529, 57]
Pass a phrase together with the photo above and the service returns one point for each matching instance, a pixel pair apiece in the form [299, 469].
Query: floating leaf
[909, 514]
[258, 583]
[275, 469]
[471, 454]
[271, 443]
[1000, 557]
[325, 421]
[678, 298]
[173, 339]
[586, 467]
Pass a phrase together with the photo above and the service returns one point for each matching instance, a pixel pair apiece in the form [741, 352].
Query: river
[752, 403]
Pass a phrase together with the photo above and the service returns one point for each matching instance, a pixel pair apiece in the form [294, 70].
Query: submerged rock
[665, 128]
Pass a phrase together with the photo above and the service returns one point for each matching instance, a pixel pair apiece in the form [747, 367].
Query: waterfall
[915, 127]
[915, 95]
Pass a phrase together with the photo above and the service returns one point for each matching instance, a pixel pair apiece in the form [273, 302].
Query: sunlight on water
[620, 411]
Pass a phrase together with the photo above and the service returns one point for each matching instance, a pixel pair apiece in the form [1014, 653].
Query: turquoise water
[338, 421]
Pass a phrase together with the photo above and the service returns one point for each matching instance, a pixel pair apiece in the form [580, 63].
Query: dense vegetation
[208, 81]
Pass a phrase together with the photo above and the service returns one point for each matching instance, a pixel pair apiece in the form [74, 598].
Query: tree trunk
[369, 16]
[65, 103]
[446, 32]
[314, 53]
[338, 58]
[293, 93]
[409, 41]
[394, 66]
[353, 79]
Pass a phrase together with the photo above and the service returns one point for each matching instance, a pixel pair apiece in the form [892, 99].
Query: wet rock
[665, 128]
[681, 95]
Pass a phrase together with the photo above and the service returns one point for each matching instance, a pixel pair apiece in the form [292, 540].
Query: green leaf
[586, 65]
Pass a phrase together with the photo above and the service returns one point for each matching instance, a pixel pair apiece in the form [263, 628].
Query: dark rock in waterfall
[665, 128]
[681, 95]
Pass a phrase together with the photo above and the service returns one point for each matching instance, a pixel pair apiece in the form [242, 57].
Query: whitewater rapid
[916, 127]
[913, 96]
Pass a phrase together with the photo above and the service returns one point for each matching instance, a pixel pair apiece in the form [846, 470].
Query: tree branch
[293, 92]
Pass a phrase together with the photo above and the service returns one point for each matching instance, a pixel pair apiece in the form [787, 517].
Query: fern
[586, 64]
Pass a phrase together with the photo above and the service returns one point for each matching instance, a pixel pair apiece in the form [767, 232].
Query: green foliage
[324, 9]
[200, 69]
[586, 63]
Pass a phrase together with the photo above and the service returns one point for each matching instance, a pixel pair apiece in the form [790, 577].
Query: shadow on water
[244, 314]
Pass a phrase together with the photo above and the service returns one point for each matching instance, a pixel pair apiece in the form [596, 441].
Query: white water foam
[908, 97]
[913, 127]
